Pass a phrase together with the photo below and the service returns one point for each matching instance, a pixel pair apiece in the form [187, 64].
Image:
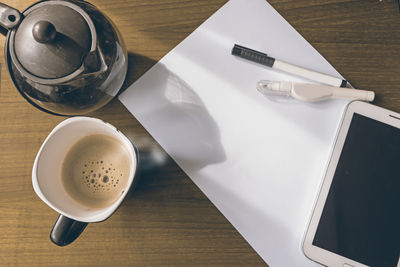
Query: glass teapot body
[89, 84]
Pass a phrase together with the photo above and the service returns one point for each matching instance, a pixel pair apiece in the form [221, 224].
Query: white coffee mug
[47, 180]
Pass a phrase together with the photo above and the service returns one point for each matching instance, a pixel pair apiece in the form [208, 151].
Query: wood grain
[167, 220]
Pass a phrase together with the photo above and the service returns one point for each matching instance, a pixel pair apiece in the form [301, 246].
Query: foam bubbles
[100, 176]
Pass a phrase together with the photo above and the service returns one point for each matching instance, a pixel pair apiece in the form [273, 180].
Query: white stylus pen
[264, 59]
[312, 92]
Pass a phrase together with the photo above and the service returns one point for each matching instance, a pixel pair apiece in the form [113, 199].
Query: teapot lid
[53, 39]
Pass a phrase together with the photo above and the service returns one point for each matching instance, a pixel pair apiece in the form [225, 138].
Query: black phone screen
[361, 216]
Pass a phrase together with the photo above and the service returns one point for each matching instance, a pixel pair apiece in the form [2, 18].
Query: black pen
[264, 59]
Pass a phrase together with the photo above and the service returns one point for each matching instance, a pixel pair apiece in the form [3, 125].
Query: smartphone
[356, 218]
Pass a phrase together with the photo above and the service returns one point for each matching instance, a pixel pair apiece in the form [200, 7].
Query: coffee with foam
[95, 170]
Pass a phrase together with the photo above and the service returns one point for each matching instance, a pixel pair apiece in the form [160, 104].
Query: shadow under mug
[47, 181]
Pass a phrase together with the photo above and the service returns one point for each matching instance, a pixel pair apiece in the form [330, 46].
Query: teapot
[65, 57]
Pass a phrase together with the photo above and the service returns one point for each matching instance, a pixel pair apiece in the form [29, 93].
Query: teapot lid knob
[44, 32]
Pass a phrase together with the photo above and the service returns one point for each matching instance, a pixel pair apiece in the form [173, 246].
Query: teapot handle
[9, 18]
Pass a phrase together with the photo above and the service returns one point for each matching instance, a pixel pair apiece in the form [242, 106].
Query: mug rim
[107, 211]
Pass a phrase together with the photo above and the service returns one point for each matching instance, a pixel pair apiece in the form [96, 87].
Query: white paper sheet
[259, 160]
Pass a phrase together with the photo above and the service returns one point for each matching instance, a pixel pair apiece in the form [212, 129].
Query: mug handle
[66, 230]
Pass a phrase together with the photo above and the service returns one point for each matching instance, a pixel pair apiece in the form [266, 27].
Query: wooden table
[168, 221]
